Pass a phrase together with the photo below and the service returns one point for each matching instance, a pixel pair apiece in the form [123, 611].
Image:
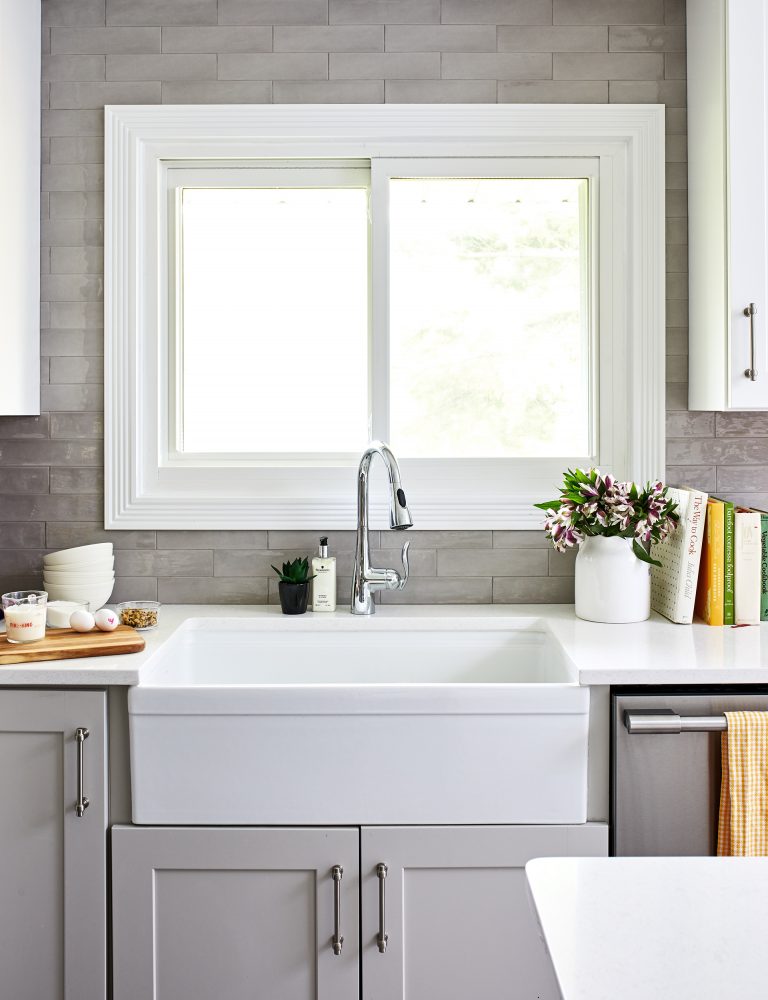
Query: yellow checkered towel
[743, 821]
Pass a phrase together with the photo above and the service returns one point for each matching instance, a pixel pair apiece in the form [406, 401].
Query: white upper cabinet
[20, 187]
[728, 204]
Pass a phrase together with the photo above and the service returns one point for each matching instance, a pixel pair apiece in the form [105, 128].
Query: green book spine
[764, 568]
[728, 599]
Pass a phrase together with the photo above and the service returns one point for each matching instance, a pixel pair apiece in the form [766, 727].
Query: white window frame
[146, 489]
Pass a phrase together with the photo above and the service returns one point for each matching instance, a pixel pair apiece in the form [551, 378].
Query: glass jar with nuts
[141, 615]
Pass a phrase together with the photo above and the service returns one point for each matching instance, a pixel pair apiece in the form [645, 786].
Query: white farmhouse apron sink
[339, 720]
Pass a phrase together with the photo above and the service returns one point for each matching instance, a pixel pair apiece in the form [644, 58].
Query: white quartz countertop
[654, 652]
[662, 928]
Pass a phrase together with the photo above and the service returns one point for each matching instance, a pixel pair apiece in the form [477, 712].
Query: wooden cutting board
[66, 644]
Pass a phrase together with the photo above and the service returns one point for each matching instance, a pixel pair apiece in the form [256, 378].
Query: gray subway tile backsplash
[442, 590]
[73, 123]
[82, 13]
[159, 12]
[77, 481]
[26, 480]
[492, 562]
[497, 11]
[73, 68]
[212, 590]
[645, 38]
[553, 91]
[328, 92]
[70, 534]
[608, 11]
[66, 96]
[333, 38]
[200, 66]
[384, 11]
[22, 535]
[37, 427]
[273, 11]
[217, 92]
[84, 40]
[441, 38]
[384, 66]
[440, 91]
[274, 66]
[217, 39]
[310, 51]
[552, 38]
[497, 66]
[608, 66]
[533, 590]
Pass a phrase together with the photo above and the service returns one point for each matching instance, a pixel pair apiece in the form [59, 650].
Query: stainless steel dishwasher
[665, 767]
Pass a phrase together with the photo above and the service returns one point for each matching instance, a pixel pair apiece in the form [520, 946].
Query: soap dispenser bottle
[324, 583]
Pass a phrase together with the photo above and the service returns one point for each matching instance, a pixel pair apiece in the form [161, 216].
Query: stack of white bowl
[86, 573]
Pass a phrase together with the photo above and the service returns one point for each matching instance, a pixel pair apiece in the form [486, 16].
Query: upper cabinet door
[20, 228]
[235, 913]
[53, 889]
[728, 204]
[453, 906]
[748, 267]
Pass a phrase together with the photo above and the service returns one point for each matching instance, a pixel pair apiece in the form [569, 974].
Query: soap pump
[324, 582]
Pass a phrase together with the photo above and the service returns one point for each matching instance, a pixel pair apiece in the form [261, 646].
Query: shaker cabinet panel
[453, 906]
[235, 912]
[728, 204]
[53, 885]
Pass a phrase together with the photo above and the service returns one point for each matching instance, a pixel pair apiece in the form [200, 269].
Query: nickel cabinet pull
[81, 735]
[751, 372]
[382, 937]
[336, 873]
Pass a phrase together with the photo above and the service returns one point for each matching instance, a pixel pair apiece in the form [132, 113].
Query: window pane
[489, 317]
[275, 319]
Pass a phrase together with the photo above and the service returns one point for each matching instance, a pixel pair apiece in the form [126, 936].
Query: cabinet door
[234, 912]
[747, 62]
[53, 886]
[457, 917]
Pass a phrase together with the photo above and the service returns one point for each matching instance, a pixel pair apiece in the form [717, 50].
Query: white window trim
[141, 493]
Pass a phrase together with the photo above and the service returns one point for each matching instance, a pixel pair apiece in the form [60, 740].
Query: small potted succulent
[615, 525]
[294, 586]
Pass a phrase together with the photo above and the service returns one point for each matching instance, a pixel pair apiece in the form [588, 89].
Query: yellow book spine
[710, 595]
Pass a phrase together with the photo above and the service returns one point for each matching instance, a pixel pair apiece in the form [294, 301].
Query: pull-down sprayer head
[399, 515]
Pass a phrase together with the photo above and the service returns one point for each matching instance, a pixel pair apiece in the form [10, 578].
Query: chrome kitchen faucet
[366, 578]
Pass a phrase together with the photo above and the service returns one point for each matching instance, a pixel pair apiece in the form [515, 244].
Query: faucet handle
[406, 567]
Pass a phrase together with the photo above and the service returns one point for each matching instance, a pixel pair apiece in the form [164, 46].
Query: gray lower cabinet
[453, 905]
[235, 912]
[232, 913]
[53, 891]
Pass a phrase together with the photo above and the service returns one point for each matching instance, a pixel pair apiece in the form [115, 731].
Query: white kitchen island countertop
[654, 928]
[654, 652]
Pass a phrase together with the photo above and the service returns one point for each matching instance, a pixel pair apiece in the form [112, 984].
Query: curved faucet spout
[399, 515]
[367, 578]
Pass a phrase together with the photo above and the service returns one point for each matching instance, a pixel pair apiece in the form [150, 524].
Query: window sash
[225, 174]
[383, 170]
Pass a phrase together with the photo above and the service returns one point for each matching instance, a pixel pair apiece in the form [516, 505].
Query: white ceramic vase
[612, 584]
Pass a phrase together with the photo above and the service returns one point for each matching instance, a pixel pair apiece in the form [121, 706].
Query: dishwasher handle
[661, 721]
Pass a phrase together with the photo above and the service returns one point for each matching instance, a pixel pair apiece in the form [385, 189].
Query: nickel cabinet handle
[751, 372]
[81, 735]
[382, 937]
[336, 874]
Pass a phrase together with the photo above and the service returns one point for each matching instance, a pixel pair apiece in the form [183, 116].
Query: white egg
[82, 620]
[106, 620]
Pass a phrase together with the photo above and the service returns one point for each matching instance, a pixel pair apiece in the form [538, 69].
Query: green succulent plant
[296, 571]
